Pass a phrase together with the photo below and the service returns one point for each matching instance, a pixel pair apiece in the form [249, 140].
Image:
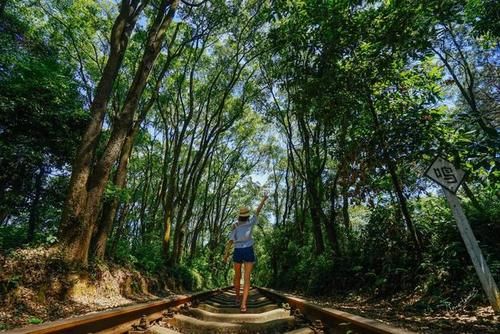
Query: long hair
[243, 219]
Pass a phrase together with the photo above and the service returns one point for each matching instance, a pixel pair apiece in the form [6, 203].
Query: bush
[188, 278]
[10, 236]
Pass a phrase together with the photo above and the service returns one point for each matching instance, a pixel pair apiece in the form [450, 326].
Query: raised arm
[262, 202]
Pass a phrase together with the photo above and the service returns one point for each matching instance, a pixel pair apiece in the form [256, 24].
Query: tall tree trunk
[331, 232]
[120, 178]
[466, 188]
[317, 217]
[319, 246]
[167, 231]
[78, 246]
[119, 230]
[472, 197]
[171, 191]
[286, 210]
[403, 204]
[4, 215]
[73, 227]
[300, 211]
[194, 239]
[169, 209]
[34, 210]
[143, 221]
[345, 207]
[187, 204]
[332, 219]
[176, 255]
[110, 207]
[179, 232]
[201, 220]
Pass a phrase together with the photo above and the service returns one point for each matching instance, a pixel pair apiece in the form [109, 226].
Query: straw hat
[244, 212]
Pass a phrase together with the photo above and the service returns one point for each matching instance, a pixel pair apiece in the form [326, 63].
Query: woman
[241, 238]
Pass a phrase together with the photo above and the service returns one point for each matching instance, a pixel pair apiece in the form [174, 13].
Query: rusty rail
[117, 320]
[342, 321]
[120, 320]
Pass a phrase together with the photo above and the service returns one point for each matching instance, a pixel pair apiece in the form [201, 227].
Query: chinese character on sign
[444, 173]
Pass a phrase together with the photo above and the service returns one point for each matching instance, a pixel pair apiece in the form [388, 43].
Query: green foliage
[149, 254]
[210, 268]
[10, 236]
[187, 277]
[446, 270]
[41, 120]
[378, 261]
[51, 239]
[114, 192]
[35, 321]
[122, 253]
[483, 15]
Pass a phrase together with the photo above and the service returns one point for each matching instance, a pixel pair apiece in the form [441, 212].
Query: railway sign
[444, 173]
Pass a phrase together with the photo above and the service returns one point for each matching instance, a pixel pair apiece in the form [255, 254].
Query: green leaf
[35, 321]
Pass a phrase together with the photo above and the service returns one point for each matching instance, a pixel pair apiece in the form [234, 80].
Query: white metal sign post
[444, 173]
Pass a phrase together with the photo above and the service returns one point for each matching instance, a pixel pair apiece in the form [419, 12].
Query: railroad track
[216, 311]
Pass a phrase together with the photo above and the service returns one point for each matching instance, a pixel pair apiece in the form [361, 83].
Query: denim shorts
[241, 255]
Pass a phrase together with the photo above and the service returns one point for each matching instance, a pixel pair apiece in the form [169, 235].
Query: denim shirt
[242, 233]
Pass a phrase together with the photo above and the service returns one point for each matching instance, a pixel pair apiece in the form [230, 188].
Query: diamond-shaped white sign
[443, 172]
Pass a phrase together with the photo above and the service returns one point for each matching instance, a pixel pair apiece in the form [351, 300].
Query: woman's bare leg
[246, 285]
[237, 279]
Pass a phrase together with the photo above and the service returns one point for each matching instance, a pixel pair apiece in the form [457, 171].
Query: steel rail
[120, 320]
[117, 320]
[342, 321]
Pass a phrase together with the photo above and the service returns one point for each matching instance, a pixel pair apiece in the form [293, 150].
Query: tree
[37, 92]
[87, 188]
